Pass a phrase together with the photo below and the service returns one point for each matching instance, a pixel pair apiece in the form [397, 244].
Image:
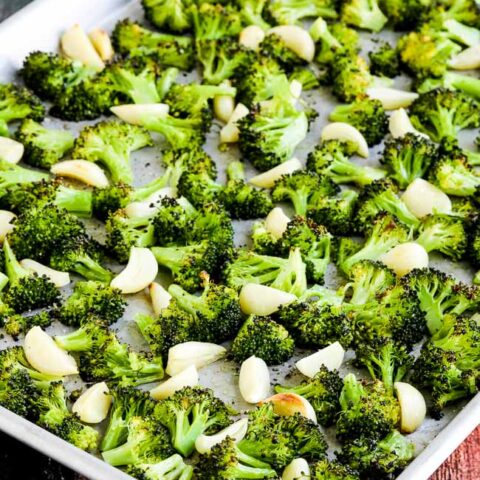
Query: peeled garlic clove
[331, 357]
[412, 407]
[11, 151]
[224, 105]
[296, 39]
[46, 356]
[399, 125]
[150, 205]
[346, 133]
[296, 89]
[186, 378]
[236, 431]
[6, 225]
[422, 199]
[82, 170]
[261, 300]
[468, 59]
[251, 37]
[405, 257]
[267, 179]
[391, 98]
[140, 272]
[102, 44]
[136, 113]
[287, 404]
[254, 380]
[160, 297]
[93, 405]
[230, 133]
[59, 279]
[77, 46]
[199, 354]
[276, 222]
[297, 469]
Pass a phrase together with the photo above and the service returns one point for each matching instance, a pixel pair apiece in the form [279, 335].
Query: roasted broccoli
[365, 14]
[289, 12]
[173, 16]
[172, 468]
[384, 61]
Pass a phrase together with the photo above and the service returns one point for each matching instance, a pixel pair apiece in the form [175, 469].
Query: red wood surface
[464, 463]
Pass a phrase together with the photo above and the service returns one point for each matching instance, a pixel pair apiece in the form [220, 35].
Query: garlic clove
[276, 222]
[287, 404]
[46, 356]
[405, 257]
[140, 272]
[199, 354]
[230, 133]
[399, 125]
[412, 407]
[93, 405]
[267, 179]
[77, 46]
[331, 357]
[296, 39]
[261, 300]
[254, 380]
[59, 279]
[236, 431]
[346, 133]
[224, 105]
[135, 113]
[392, 98]
[6, 225]
[102, 44]
[251, 37]
[159, 296]
[186, 378]
[297, 469]
[468, 59]
[149, 206]
[422, 199]
[296, 89]
[11, 151]
[82, 170]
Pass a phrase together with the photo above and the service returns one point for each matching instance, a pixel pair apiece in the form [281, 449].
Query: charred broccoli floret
[289, 12]
[404, 14]
[384, 61]
[274, 46]
[365, 14]
[452, 81]
[15, 324]
[170, 15]
[215, 21]
[332, 470]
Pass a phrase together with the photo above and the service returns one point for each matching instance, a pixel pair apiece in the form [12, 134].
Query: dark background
[18, 462]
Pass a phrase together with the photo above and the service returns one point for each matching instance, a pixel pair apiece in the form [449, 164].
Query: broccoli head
[384, 61]
[364, 14]
[172, 468]
[215, 21]
[332, 470]
[169, 15]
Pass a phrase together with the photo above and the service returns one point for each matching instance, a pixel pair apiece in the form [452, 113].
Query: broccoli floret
[465, 11]
[368, 410]
[16, 390]
[365, 14]
[252, 12]
[306, 77]
[381, 196]
[274, 46]
[147, 442]
[349, 76]
[131, 39]
[336, 213]
[407, 158]
[128, 402]
[448, 363]
[111, 143]
[225, 462]
[332, 470]
[189, 413]
[103, 357]
[381, 459]
[367, 115]
[405, 14]
[15, 324]
[287, 274]
[199, 188]
[452, 81]
[289, 12]
[12, 175]
[263, 338]
[269, 134]
[440, 294]
[172, 468]
[81, 255]
[92, 298]
[303, 189]
[26, 290]
[54, 416]
[169, 15]
[322, 391]
[43, 147]
[384, 234]
[331, 158]
[384, 61]
[215, 21]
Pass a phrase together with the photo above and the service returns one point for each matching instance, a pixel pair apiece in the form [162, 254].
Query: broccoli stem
[118, 164]
[189, 302]
[235, 171]
[11, 174]
[465, 83]
[78, 202]
[166, 80]
[476, 278]
[142, 193]
[122, 455]
[92, 270]
[469, 36]
[3, 281]
[172, 257]
[251, 11]
[76, 341]
[352, 392]
[12, 266]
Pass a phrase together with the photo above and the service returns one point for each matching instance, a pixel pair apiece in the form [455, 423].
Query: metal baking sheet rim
[58, 14]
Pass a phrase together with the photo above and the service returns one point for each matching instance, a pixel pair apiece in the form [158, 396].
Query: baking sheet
[38, 27]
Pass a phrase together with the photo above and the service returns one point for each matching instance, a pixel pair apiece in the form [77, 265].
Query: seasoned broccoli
[15, 324]
[16, 390]
[407, 158]
[322, 391]
[131, 39]
[289, 12]
[252, 12]
[189, 413]
[170, 15]
[172, 468]
[384, 61]
[365, 14]
[111, 143]
[405, 14]
[215, 21]
[199, 188]
[92, 298]
[306, 77]
[332, 470]
[43, 147]
[147, 442]
[263, 338]
[274, 46]
[366, 115]
[465, 11]
[331, 158]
